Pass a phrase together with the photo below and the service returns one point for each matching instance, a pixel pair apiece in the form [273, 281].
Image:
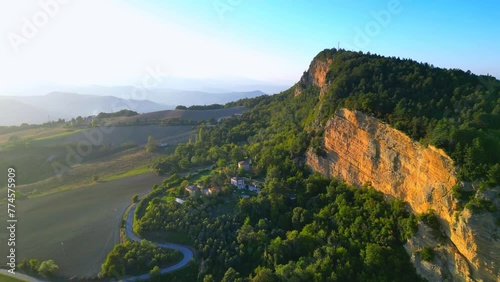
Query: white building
[238, 182]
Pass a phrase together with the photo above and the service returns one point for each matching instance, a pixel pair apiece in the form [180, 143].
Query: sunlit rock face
[361, 149]
[315, 75]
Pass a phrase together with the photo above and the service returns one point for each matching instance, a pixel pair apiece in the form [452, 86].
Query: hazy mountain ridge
[15, 113]
[171, 96]
[93, 100]
[56, 105]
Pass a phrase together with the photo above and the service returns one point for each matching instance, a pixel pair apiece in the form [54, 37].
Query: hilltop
[63, 105]
[454, 117]
[184, 115]
[426, 135]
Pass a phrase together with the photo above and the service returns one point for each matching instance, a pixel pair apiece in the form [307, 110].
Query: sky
[99, 42]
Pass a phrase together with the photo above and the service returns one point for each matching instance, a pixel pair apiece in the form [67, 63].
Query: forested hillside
[302, 226]
[451, 109]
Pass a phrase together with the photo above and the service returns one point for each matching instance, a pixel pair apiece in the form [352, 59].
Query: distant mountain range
[55, 105]
[38, 109]
[169, 96]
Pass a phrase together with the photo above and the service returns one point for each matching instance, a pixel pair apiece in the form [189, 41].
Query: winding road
[187, 254]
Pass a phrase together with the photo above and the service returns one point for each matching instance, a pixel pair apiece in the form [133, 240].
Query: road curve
[187, 253]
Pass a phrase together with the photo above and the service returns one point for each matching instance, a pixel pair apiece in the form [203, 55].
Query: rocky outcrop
[315, 75]
[361, 149]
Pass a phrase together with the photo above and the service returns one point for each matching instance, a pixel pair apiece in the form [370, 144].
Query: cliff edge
[361, 149]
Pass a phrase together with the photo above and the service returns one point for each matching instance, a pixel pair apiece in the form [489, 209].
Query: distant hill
[171, 96]
[36, 109]
[16, 113]
[195, 115]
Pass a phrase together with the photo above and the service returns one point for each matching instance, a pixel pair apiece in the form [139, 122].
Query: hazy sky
[80, 42]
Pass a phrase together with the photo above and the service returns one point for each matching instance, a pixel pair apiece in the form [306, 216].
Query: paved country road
[187, 254]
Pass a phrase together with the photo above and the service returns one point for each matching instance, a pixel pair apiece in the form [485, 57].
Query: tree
[264, 275]
[79, 120]
[135, 198]
[427, 253]
[24, 264]
[154, 274]
[199, 137]
[208, 278]
[151, 145]
[494, 175]
[95, 178]
[48, 268]
[34, 264]
[230, 275]
[300, 216]
[374, 255]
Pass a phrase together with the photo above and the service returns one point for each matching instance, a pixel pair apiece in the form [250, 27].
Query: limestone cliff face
[315, 75]
[361, 149]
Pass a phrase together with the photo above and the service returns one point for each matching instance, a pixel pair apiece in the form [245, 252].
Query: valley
[324, 181]
[76, 228]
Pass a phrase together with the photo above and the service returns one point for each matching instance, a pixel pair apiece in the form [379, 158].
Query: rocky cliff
[361, 149]
[315, 75]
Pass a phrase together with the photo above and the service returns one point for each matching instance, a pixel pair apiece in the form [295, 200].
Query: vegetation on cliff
[303, 226]
[449, 108]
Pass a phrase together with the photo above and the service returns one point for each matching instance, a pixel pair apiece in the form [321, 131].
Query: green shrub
[135, 198]
[430, 219]
[480, 205]
[460, 194]
[48, 268]
[427, 254]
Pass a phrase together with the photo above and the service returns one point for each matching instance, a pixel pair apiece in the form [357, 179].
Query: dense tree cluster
[133, 258]
[47, 268]
[330, 232]
[200, 107]
[301, 227]
[121, 113]
[305, 227]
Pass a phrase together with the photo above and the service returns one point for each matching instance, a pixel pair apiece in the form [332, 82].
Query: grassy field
[129, 173]
[54, 138]
[129, 134]
[199, 175]
[127, 163]
[35, 133]
[75, 228]
[34, 164]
